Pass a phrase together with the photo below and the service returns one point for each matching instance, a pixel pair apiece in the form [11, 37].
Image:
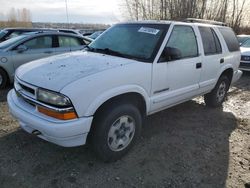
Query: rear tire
[3, 79]
[115, 131]
[218, 95]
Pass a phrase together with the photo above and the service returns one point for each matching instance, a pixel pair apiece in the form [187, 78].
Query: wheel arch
[131, 97]
[7, 74]
[130, 93]
[227, 72]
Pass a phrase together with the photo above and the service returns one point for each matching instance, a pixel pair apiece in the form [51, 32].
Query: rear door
[37, 48]
[212, 57]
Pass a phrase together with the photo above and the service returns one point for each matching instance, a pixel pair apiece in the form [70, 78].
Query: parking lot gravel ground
[188, 145]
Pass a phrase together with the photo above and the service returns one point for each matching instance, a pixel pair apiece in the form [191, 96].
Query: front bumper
[64, 133]
[244, 65]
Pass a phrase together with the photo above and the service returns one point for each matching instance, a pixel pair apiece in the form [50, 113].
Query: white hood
[54, 73]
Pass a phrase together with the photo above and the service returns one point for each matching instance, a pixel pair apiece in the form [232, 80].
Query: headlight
[53, 98]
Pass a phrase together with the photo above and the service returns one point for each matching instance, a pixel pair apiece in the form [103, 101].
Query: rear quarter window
[230, 39]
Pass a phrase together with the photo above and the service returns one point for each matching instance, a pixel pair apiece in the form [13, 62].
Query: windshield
[11, 41]
[135, 41]
[242, 39]
[246, 44]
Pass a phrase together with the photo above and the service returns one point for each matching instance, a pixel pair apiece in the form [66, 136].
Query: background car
[243, 38]
[8, 33]
[35, 45]
[71, 31]
[95, 34]
[245, 56]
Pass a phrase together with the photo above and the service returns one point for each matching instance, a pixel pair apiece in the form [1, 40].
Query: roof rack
[195, 20]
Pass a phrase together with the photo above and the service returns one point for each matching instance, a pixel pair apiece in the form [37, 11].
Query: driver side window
[39, 43]
[183, 40]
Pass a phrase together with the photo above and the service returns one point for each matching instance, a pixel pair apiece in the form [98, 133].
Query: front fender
[115, 92]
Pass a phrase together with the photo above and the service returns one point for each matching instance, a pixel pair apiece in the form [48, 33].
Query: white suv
[101, 94]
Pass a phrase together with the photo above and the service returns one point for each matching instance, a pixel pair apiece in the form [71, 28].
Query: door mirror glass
[22, 48]
[171, 54]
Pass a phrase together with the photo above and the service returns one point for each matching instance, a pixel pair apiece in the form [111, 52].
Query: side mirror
[170, 54]
[21, 48]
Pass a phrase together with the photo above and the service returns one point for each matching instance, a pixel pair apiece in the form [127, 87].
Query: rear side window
[67, 41]
[230, 38]
[210, 41]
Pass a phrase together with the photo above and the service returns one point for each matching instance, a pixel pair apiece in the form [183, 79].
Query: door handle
[222, 60]
[198, 65]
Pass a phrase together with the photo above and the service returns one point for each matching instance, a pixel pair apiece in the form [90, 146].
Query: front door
[179, 76]
[37, 48]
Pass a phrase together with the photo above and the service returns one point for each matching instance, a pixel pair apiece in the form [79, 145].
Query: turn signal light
[57, 115]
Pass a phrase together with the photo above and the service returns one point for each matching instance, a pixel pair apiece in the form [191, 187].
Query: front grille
[27, 89]
[244, 65]
[245, 58]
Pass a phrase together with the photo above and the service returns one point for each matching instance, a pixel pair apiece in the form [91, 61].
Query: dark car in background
[243, 38]
[8, 33]
[245, 56]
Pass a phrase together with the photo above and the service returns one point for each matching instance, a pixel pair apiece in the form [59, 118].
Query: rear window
[230, 38]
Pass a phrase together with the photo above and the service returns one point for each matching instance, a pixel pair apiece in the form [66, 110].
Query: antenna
[67, 13]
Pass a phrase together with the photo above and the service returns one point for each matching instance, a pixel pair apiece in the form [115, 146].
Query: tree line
[232, 12]
[17, 18]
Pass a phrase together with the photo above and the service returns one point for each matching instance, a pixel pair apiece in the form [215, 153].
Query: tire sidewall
[222, 79]
[5, 79]
[103, 125]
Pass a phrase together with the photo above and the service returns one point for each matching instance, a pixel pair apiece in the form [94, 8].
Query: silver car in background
[31, 46]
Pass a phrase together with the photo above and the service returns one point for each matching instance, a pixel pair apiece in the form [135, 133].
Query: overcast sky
[80, 11]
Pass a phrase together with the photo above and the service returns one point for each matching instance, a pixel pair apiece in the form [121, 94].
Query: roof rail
[195, 20]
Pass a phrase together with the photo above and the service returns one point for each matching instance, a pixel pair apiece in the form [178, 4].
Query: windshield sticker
[148, 30]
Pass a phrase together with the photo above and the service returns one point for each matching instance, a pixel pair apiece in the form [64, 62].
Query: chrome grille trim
[37, 103]
[31, 98]
[18, 85]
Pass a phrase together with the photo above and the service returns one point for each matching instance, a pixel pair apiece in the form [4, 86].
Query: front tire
[218, 95]
[115, 131]
[3, 79]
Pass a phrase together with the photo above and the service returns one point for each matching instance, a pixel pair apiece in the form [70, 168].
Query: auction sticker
[148, 30]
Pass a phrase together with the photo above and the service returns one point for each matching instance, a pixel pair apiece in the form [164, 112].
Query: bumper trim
[67, 133]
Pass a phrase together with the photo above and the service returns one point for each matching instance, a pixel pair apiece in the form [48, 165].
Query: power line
[67, 13]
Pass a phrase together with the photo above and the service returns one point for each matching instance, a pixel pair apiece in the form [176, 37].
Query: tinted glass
[217, 42]
[11, 41]
[242, 39]
[136, 41]
[39, 42]
[210, 41]
[3, 33]
[14, 34]
[246, 44]
[230, 38]
[66, 41]
[184, 39]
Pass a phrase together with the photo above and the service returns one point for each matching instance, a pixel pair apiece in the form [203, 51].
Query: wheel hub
[221, 91]
[121, 133]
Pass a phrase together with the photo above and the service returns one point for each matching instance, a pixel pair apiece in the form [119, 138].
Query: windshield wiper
[89, 48]
[107, 51]
[112, 52]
